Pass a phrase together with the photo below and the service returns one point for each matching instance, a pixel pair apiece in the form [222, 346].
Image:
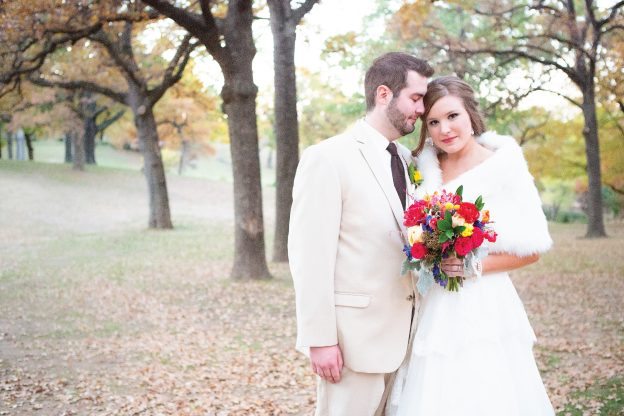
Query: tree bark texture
[10, 145]
[239, 103]
[153, 168]
[595, 220]
[29, 146]
[20, 145]
[286, 130]
[250, 257]
[68, 147]
[78, 152]
[90, 132]
[184, 150]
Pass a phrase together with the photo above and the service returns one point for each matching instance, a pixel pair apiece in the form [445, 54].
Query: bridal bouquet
[441, 225]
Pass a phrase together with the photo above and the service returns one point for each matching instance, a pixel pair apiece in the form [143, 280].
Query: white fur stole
[508, 191]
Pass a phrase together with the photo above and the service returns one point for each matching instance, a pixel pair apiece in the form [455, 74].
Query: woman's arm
[503, 262]
[500, 262]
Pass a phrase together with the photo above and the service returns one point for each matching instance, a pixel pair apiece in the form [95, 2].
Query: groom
[354, 308]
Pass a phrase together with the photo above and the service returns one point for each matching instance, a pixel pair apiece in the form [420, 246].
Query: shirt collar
[378, 140]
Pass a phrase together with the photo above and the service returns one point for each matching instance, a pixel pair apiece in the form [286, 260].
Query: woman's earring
[472, 132]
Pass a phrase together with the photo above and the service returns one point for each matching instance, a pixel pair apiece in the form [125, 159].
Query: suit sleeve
[312, 247]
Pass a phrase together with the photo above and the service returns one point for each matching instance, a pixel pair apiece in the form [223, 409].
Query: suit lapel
[406, 155]
[384, 180]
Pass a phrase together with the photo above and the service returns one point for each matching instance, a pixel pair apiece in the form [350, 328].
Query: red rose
[463, 245]
[415, 214]
[433, 223]
[490, 236]
[477, 237]
[419, 251]
[468, 211]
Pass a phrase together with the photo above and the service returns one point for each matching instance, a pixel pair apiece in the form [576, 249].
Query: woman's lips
[448, 140]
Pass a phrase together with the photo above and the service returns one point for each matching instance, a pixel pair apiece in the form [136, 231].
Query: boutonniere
[414, 174]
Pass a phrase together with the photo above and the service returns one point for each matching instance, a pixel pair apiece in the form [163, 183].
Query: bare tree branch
[78, 85]
[614, 188]
[571, 100]
[301, 11]
[204, 27]
[174, 70]
[22, 65]
[616, 7]
[109, 121]
[119, 54]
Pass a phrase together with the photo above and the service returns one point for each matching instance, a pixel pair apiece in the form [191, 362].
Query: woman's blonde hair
[450, 85]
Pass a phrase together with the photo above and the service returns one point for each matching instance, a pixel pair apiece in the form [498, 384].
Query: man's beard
[398, 119]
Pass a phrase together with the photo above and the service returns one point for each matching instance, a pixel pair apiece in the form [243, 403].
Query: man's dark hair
[390, 69]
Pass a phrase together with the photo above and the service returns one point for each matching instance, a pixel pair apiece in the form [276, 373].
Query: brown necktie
[398, 173]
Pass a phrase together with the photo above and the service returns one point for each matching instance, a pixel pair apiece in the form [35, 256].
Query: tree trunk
[10, 145]
[239, 100]
[153, 168]
[78, 151]
[595, 220]
[68, 147]
[286, 132]
[20, 145]
[90, 131]
[183, 155]
[29, 146]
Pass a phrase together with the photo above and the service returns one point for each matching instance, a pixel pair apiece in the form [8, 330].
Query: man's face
[405, 108]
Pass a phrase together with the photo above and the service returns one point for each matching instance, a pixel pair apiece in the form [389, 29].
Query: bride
[472, 350]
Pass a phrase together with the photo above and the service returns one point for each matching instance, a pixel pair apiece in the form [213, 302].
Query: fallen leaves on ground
[131, 322]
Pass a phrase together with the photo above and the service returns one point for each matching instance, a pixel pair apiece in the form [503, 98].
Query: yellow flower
[417, 177]
[468, 231]
[449, 205]
[415, 235]
[456, 207]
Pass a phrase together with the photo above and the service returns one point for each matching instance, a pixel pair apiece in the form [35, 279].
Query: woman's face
[448, 124]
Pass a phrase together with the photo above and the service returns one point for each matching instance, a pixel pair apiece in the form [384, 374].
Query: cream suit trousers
[357, 394]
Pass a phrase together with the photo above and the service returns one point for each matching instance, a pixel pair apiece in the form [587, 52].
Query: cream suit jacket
[345, 251]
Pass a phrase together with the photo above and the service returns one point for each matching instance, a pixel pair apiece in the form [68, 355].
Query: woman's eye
[433, 122]
[452, 116]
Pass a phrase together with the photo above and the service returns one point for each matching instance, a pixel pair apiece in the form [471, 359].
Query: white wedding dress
[472, 352]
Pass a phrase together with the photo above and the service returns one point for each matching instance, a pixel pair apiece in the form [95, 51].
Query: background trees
[560, 37]
[284, 21]
[131, 56]
[112, 38]
[226, 33]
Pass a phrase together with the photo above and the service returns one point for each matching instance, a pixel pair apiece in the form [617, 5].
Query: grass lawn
[217, 167]
[100, 316]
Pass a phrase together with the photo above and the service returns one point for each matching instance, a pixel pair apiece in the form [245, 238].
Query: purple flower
[408, 252]
[436, 270]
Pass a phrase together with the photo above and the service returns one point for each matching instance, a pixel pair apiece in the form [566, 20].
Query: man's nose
[420, 108]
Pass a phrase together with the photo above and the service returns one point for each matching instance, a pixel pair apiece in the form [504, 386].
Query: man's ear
[383, 95]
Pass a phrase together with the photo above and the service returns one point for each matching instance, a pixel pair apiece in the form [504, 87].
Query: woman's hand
[453, 266]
